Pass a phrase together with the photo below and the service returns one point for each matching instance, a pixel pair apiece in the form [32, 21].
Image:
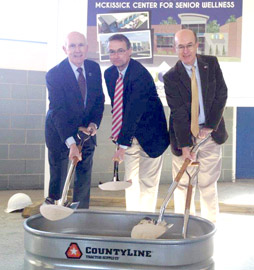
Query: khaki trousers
[209, 155]
[144, 172]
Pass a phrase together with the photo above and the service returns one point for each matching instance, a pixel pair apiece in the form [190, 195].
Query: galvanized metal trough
[101, 240]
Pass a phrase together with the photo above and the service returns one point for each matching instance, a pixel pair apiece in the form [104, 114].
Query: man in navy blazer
[143, 136]
[212, 100]
[69, 110]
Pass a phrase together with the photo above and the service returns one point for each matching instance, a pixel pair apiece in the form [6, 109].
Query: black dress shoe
[48, 200]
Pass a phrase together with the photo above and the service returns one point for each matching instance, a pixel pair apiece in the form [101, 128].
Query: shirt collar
[74, 67]
[123, 71]
[189, 67]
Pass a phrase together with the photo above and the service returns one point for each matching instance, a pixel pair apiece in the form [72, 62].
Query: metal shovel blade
[114, 186]
[148, 229]
[55, 212]
[61, 210]
[151, 229]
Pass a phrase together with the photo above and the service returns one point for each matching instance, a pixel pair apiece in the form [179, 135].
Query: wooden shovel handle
[75, 161]
[188, 198]
[182, 169]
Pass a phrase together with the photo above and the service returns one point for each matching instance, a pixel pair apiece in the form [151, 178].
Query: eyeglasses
[188, 47]
[118, 52]
[73, 46]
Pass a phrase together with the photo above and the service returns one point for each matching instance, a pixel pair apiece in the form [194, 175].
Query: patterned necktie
[117, 117]
[82, 83]
[194, 104]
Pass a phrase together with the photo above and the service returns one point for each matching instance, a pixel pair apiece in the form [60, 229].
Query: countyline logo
[92, 253]
[73, 251]
[118, 252]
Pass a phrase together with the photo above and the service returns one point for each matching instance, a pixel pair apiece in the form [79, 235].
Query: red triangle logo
[73, 251]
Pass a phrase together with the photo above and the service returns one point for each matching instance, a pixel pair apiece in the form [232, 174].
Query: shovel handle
[187, 210]
[72, 167]
[115, 176]
[75, 161]
[182, 170]
[187, 161]
[188, 197]
[67, 183]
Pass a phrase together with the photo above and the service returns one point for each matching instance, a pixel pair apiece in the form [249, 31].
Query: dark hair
[121, 37]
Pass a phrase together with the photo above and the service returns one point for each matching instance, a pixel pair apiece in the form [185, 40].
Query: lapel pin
[205, 67]
[90, 74]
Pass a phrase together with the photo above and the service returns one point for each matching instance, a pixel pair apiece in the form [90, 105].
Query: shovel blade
[115, 185]
[74, 205]
[55, 212]
[149, 230]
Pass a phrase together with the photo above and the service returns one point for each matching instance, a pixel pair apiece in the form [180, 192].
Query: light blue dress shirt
[188, 68]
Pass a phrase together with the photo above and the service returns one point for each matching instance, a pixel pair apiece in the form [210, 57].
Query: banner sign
[151, 26]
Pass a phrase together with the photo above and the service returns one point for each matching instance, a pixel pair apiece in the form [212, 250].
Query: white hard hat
[18, 201]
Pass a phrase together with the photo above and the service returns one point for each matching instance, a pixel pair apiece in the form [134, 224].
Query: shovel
[63, 209]
[115, 184]
[192, 183]
[158, 227]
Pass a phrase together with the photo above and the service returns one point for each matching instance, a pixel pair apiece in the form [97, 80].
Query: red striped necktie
[117, 117]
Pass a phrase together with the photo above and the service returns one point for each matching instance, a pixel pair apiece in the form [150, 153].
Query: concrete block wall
[227, 148]
[22, 142]
[22, 117]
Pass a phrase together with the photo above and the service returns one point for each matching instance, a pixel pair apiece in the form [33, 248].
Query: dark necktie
[117, 117]
[82, 83]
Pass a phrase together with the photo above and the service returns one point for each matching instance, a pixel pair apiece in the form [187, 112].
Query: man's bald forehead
[183, 32]
[74, 34]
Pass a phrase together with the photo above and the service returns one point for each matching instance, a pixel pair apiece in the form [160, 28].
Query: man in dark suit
[211, 100]
[76, 100]
[142, 132]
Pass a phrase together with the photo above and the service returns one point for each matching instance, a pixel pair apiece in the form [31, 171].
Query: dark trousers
[58, 163]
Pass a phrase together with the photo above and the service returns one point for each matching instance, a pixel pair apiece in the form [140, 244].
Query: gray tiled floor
[233, 240]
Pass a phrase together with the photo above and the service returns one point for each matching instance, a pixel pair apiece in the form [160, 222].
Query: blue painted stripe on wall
[20, 40]
[245, 143]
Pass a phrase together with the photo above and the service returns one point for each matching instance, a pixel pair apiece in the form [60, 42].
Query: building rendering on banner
[225, 42]
[156, 40]
[118, 22]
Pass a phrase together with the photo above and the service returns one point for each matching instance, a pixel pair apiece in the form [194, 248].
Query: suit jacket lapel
[112, 81]
[131, 66]
[184, 77]
[203, 72]
[71, 80]
[69, 75]
[89, 77]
